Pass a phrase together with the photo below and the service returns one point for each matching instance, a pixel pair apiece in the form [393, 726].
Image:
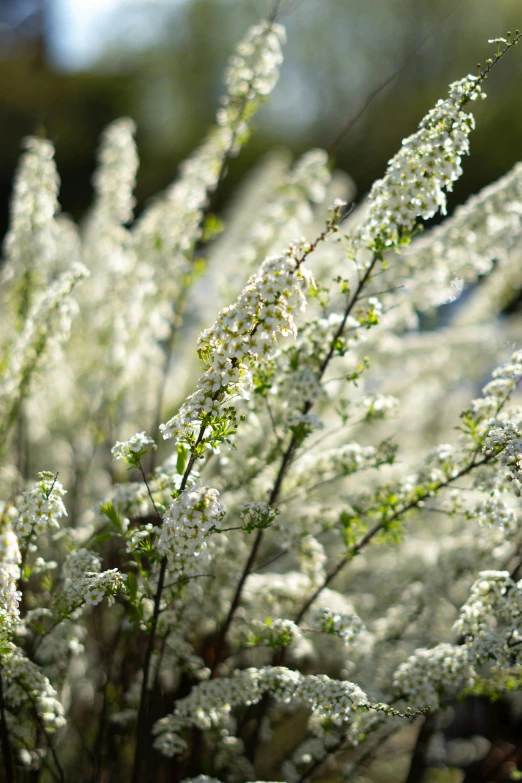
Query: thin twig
[150, 493]
[350, 124]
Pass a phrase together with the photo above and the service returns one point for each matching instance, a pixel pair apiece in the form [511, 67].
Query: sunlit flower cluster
[10, 558]
[506, 441]
[30, 244]
[253, 70]
[493, 510]
[241, 333]
[115, 176]
[47, 326]
[346, 626]
[86, 583]
[256, 516]
[427, 165]
[491, 619]
[40, 507]
[187, 524]
[497, 392]
[134, 449]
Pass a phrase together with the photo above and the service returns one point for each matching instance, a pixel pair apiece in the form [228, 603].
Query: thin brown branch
[352, 122]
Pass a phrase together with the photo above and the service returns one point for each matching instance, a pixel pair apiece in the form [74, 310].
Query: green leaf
[212, 227]
[103, 536]
[132, 586]
[181, 461]
[112, 515]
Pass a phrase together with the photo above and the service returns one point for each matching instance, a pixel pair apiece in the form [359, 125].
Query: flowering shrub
[262, 592]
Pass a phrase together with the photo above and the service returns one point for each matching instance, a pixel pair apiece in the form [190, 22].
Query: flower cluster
[256, 516]
[187, 524]
[40, 507]
[498, 391]
[243, 332]
[506, 441]
[252, 72]
[274, 633]
[115, 176]
[139, 537]
[491, 619]
[493, 510]
[47, 325]
[86, 583]
[346, 626]
[24, 686]
[427, 165]
[134, 449]
[427, 675]
[30, 243]
[442, 463]
[10, 596]
[210, 703]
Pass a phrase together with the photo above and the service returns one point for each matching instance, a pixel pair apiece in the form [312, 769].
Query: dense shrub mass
[260, 559]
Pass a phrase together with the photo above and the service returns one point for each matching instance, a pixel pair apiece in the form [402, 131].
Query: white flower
[10, 596]
[41, 507]
[30, 242]
[428, 674]
[85, 583]
[241, 335]
[187, 525]
[346, 626]
[210, 703]
[256, 516]
[426, 166]
[134, 449]
[24, 685]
